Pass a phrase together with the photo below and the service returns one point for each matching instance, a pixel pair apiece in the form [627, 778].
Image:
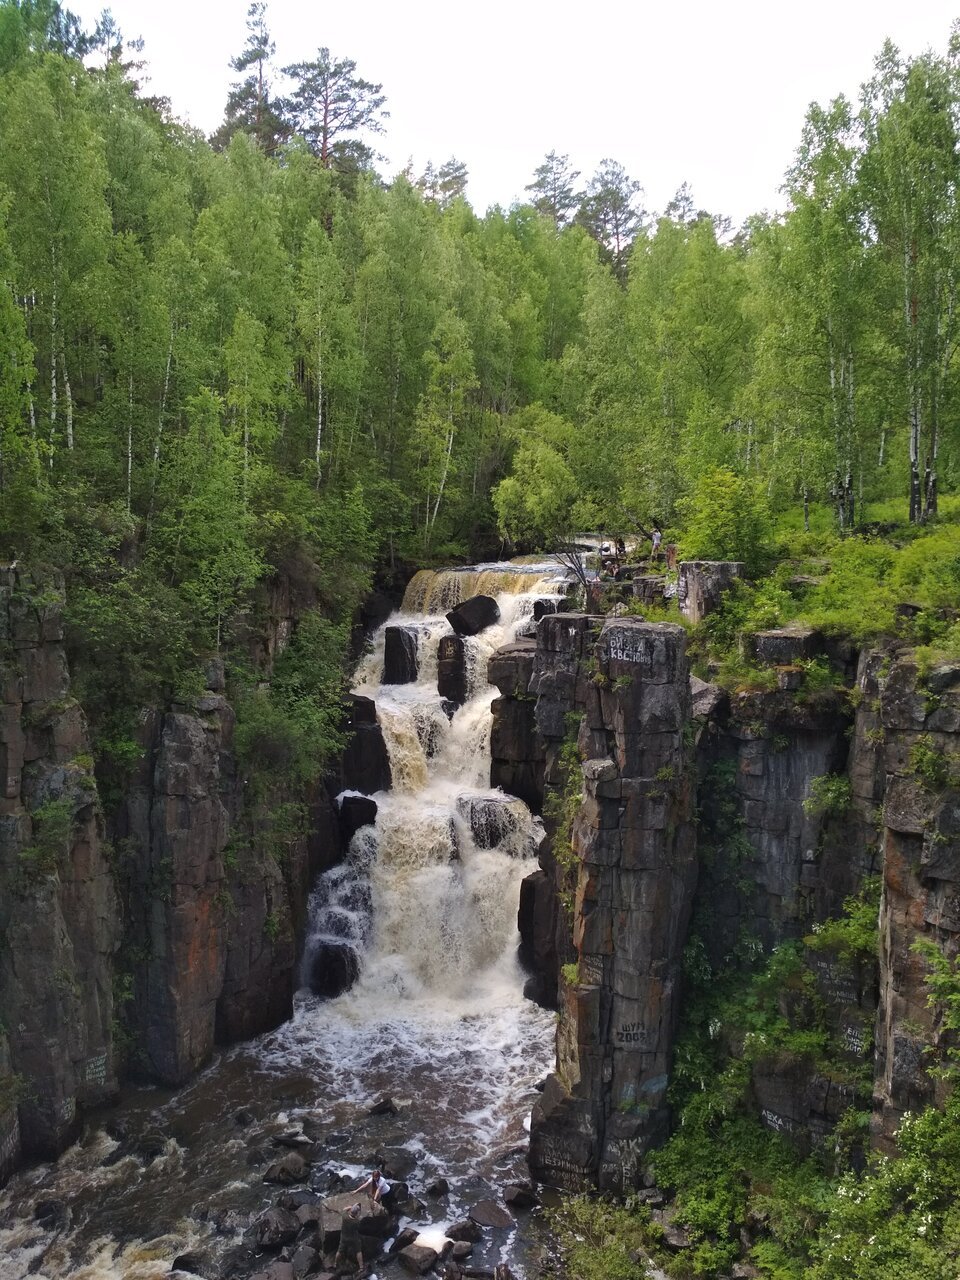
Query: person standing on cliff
[655, 538]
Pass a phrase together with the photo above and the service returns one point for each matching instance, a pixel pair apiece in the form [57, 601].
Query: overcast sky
[700, 91]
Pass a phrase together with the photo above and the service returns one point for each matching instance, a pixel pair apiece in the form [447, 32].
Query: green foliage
[561, 805]
[600, 1239]
[52, 829]
[853, 936]
[829, 794]
[726, 517]
[933, 767]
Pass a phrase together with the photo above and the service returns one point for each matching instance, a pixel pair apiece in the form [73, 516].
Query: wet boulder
[452, 670]
[520, 1195]
[305, 1261]
[374, 1221]
[406, 1237]
[490, 818]
[400, 662]
[417, 1258]
[237, 1261]
[384, 1106]
[397, 1163]
[365, 764]
[467, 1229]
[334, 968]
[356, 812]
[474, 615]
[193, 1263]
[487, 1213]
[275, 1228]
[279, 1270]
[291, 1168]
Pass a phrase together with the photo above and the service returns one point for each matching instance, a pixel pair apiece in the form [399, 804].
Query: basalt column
[921, 883]
[633, 838]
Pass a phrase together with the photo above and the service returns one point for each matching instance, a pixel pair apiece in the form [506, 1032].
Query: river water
[437, 1020]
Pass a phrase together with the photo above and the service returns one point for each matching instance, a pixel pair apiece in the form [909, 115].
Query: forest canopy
[224, 356]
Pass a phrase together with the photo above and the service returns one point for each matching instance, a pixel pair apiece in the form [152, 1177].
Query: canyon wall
[133, 942]
[686, 803]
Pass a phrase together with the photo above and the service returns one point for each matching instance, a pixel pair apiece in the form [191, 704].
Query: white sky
[708, 91]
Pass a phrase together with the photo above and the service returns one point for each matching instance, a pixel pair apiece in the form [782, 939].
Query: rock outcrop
[59, 924]
[633, 839]
[803, 794]
[920, 837]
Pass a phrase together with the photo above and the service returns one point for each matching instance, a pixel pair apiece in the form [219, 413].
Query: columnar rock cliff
[178, 931]
[604, 926]
[59, 924]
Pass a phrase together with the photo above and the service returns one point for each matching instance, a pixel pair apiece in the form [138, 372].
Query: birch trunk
[67, 396]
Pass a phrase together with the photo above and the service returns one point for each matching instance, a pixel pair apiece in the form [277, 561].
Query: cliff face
[58, 915]
[141, 951]
[634, 845]
[606, 928]
[921, 878]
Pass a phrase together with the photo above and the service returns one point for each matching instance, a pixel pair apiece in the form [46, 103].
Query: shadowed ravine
[436, 1018]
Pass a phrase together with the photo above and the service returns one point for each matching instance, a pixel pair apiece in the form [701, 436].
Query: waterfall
[427, 897]
[421, 915]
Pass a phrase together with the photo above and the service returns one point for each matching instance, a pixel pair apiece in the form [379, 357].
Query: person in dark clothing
[350, 1253]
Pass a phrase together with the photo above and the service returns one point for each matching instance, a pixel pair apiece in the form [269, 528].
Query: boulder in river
[274, 1228]
[465, 1230]
[396, 1162]
[334, 968]
[417, 1258]
[356, 812]
[384, 1106]
[491, 818]
[452, 670]
[487, 1213]
[474, 615]
[400, 662]
[291, 1168]
[520, 1195]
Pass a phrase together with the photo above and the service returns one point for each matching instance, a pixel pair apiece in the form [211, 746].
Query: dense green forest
[224, 356]
[230, 361]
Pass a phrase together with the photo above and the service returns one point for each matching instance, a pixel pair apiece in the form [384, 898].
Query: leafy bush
[829, 794]
[600, 1239]
[726, 517]
[854, 935]
[52, 829]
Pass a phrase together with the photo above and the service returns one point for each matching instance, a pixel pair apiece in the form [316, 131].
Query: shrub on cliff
[726, 517]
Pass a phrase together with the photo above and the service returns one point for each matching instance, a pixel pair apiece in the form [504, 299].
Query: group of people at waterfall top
[612, 555]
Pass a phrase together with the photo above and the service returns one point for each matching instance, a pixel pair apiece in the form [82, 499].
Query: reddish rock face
[58, 915]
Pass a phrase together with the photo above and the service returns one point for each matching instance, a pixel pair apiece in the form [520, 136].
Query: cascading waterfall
[426, 901]
[449, 852]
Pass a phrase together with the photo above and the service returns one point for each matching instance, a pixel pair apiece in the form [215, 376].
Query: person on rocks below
[376, 1186]
[350, 1252]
